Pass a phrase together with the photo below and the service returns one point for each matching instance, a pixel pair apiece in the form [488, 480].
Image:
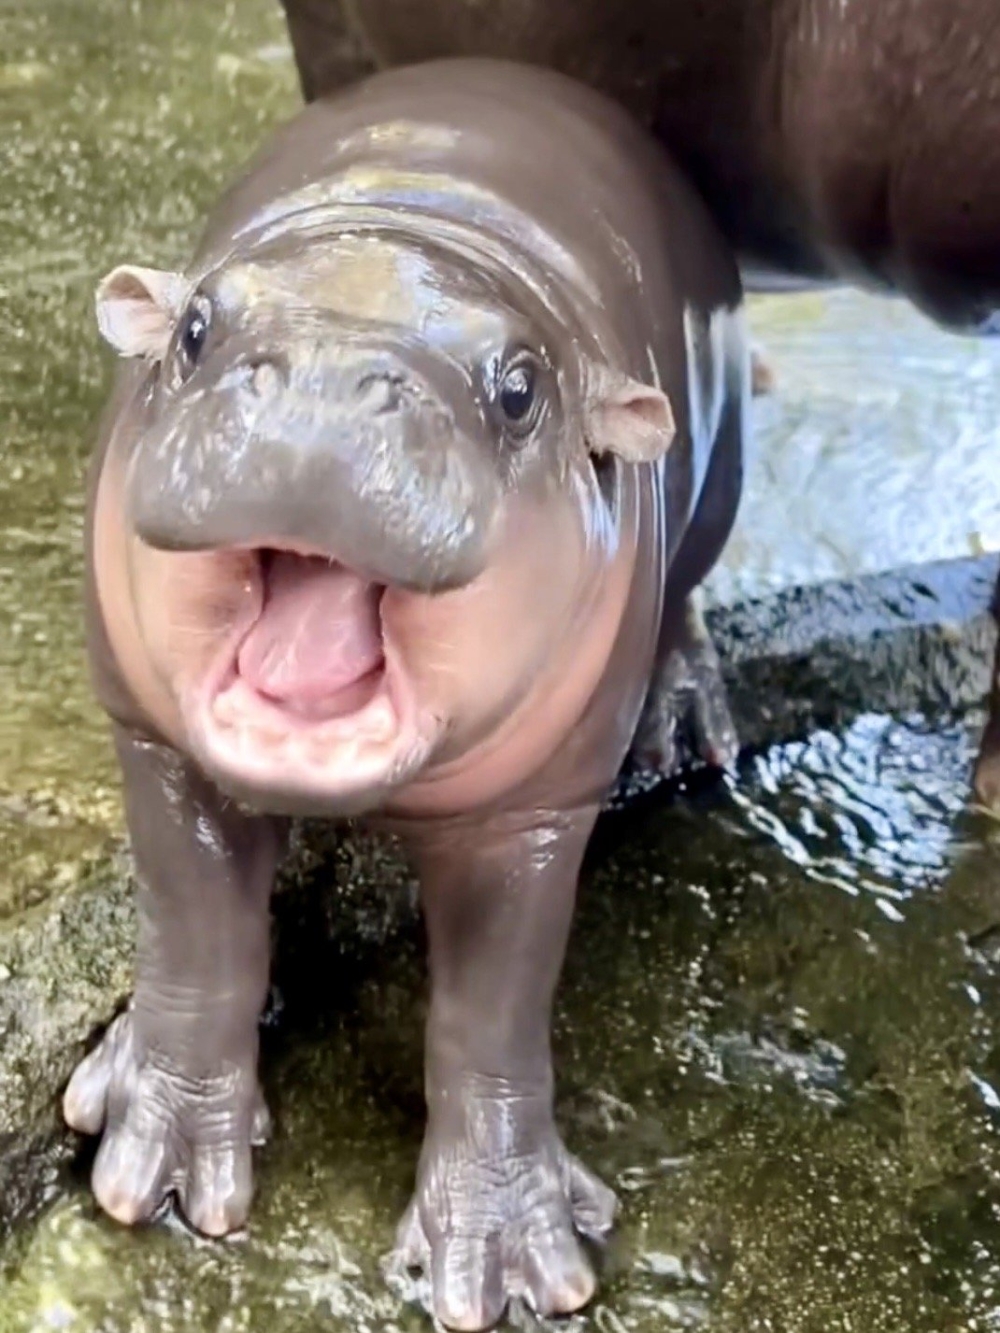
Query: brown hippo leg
[499, 1200]
[327, 54]
[687, 679]
[986, 777]
[173, 1085]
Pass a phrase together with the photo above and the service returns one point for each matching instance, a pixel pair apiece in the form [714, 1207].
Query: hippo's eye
[518, 395]
[517, 392]
[194, 329]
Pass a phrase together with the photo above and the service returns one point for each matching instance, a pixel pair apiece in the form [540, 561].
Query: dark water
[777, 1036]
[776, 1033]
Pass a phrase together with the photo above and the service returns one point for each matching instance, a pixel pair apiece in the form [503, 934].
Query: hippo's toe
[165, 1133]
[763, 380]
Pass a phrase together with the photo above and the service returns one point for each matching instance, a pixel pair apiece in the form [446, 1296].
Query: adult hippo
[396, 513]
[834, 140]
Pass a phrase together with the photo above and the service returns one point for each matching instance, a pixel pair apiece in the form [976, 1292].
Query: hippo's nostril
[378, 392]
[265, 378]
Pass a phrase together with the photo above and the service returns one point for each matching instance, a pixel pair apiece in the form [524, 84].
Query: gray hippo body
[397, 512]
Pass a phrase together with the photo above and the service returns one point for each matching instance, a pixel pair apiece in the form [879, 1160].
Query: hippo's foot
[986, 772]
[763, 380]
[164, 1131]
[486, 1226]
[688, 688]
[986, 780]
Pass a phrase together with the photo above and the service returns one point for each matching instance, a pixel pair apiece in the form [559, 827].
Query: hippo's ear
[137, 309]
[628, 418]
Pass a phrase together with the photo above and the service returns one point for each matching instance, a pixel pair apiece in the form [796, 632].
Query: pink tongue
[319, 631]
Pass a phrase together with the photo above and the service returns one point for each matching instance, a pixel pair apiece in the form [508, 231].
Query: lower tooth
[379, 722]
[225, 711]
[319, 752]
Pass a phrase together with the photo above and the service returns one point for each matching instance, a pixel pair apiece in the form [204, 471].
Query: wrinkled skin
[399, 510]
[834, 140]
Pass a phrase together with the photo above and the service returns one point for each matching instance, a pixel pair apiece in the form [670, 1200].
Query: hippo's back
[485, 142]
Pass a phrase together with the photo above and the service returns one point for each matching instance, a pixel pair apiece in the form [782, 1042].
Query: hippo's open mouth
[315, 651]
[309, 697]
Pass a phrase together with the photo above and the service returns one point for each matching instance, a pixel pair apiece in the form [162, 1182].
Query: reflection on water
[872, 807]
[777, 1036]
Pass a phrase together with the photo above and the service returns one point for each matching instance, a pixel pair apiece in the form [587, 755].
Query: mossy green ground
[119, 125]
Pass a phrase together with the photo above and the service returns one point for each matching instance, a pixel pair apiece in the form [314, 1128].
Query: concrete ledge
[918, 639]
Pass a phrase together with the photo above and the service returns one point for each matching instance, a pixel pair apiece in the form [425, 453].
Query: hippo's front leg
[498, 1198]
[173, 1085]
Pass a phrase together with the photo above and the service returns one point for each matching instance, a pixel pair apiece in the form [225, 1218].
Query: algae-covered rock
[66, 967]
[62, 970]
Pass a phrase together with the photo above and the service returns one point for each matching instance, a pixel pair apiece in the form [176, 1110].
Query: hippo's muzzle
[352, 444]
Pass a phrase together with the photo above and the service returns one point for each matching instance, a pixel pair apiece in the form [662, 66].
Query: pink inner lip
[316, 648]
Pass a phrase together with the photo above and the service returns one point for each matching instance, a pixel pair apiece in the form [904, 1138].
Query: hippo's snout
[373, 453]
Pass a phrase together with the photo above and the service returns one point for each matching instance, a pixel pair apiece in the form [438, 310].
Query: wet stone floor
[776, 1036]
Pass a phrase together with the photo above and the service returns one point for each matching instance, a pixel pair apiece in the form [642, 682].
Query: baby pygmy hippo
[397, 512]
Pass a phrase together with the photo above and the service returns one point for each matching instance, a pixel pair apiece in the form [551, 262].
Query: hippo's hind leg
[686, 684]
[173, 1085]
[499, 1202]
[986, 776]
[687, 687]
[327, 54]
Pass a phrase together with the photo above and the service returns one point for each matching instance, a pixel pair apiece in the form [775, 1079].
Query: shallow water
[777, 1036]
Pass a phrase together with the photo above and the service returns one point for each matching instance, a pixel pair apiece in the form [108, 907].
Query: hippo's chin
[309, 708]
[275, 760]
